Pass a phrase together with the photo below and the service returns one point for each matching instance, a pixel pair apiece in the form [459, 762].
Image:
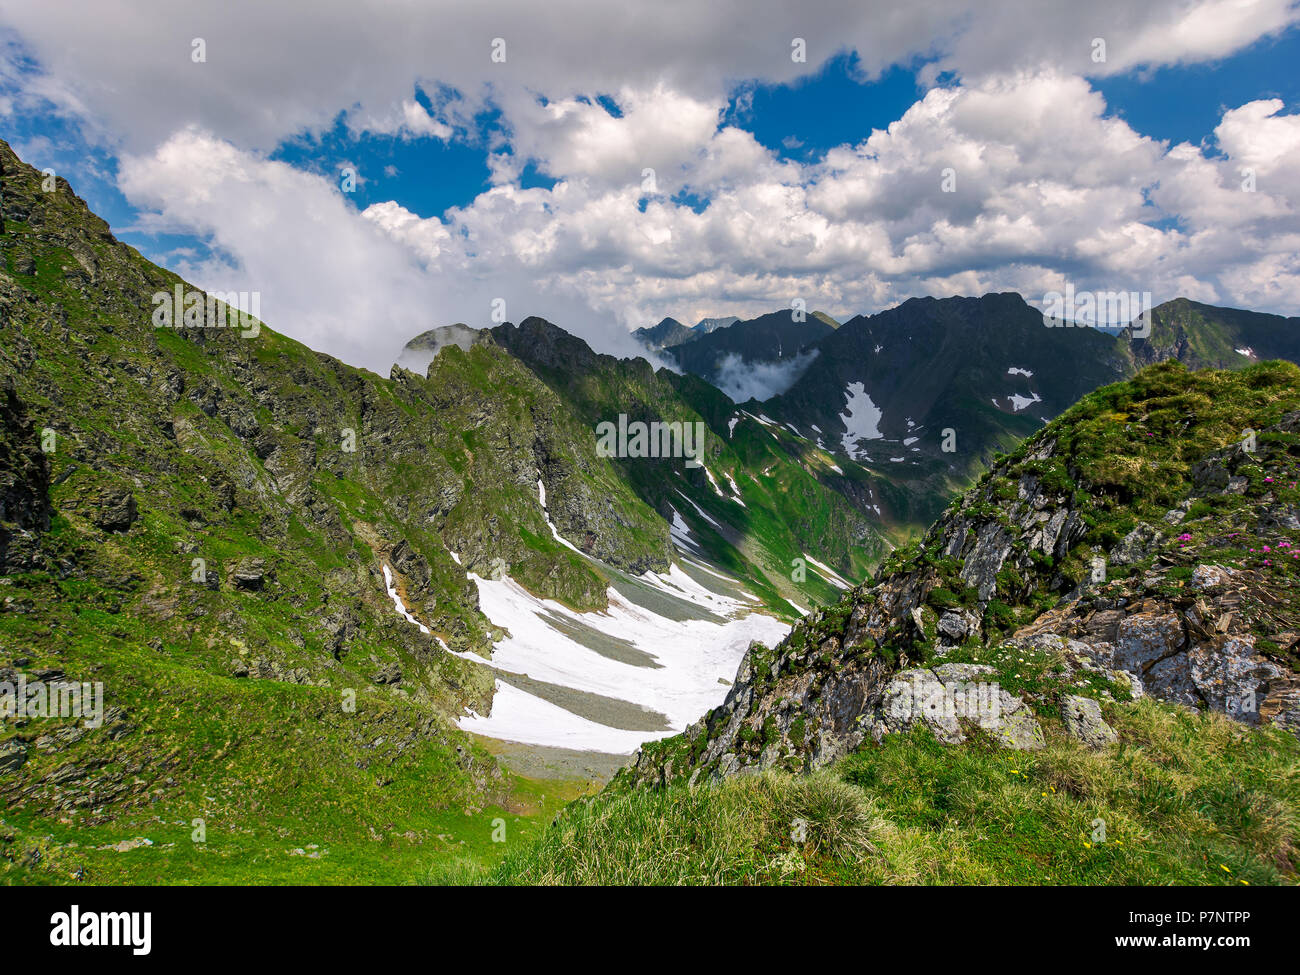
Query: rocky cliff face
[1142, 543]
[24, 486]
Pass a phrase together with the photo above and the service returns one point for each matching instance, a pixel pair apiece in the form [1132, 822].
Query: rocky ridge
[1143, 543]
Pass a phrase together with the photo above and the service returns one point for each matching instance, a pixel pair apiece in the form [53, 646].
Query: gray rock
[957, 624]
[1014, 726]
[1145, 638]
[12, 756]
[918, 696]
[250, 575]
[1018, 730]
[115, 510]
[1135, 546]
[985, 561]
[1082, 718]
[729, 764]
[1232, 677]
[1210, 577]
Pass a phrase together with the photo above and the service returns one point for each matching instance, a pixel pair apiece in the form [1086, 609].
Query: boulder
[115, 510]
[1082, 718]
[12, 756]
[1207, 578]
[250, 575]
[1135, 546]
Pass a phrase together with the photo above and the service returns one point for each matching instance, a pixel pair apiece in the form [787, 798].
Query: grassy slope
[790, 508]
[231, 449]
[1124, 455]
[1184, 799]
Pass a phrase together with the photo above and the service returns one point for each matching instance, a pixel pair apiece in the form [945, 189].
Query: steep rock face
[1111, 550]
[24, 486]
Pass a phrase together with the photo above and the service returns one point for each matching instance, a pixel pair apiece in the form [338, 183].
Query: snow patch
[861, 419]
[520, 716]
[396, 597]
[1019, 403]
[734, 489]
[680, 532]
[700, 511]
[716, 490]
[829, 574]
[555, 532]
[681, 682]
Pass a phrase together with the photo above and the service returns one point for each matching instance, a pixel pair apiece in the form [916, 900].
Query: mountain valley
[351, 627]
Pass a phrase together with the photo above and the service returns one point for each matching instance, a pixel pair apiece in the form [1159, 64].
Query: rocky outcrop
[24, 484]
[1037, 563]
[954, 701]
[114, 510]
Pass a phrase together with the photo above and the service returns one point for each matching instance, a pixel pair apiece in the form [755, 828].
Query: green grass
[332, 842]
[1184, 799]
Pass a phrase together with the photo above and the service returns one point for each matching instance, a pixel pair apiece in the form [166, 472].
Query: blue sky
[524, 180]
[1184, 103]
[798, 120]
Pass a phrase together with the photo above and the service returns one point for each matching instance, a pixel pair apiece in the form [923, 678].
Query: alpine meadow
[629, 444]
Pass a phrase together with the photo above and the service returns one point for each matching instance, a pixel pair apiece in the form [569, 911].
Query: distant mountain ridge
[915, 401]
[707, 325]
[667, 333]
[1204, 336]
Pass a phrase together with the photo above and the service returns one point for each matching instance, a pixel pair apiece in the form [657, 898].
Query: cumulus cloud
[325, 276]
[865, 227]
[408, 119]
[1015, 178]
[129, 64]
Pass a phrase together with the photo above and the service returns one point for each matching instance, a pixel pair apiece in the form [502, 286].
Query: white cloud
[409, 119]
[743, 381]
[1046, 186]
[273, 70]
[326, 277]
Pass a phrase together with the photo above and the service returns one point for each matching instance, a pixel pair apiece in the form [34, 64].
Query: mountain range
[924, 395]
[361, 618]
